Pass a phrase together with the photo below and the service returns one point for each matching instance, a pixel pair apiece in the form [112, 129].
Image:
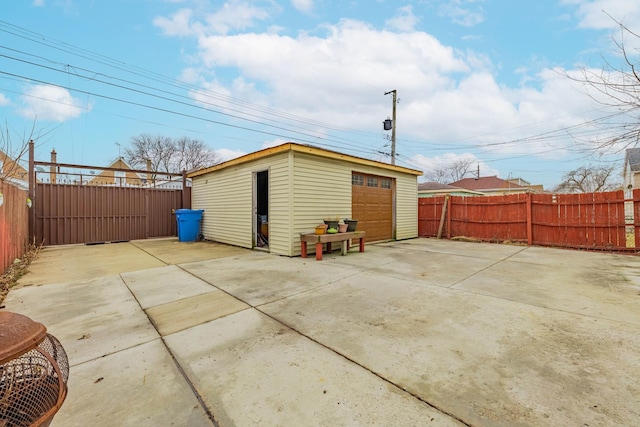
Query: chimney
[52, 168]
[149, 176]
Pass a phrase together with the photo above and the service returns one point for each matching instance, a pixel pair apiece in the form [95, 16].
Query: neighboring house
[536, 188]
[631, 173]
[431, 189]
[492, 185]
[12, 172]
[291, 188]
[175, 184]
[631, 178]
[122, 178]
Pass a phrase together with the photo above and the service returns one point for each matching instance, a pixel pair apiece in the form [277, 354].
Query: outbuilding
[266, 198]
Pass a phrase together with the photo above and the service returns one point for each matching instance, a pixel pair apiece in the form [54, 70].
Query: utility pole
[393, 126]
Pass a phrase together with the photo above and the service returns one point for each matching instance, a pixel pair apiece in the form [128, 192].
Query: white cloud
[4, 100]
[597, 14]
[404, 20]
[38, 3]
[53, 103]
[462, 12]
[232, 15]
[305, 6]
[179, 24]
[339, 76]
[225, 154]
[428, 164]
[274, 143]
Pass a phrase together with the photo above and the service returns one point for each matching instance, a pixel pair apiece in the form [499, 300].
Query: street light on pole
[393, 126]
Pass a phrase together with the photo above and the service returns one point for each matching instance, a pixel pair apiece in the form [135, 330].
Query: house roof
[486, 183]
[633, 158]
[436, 187]
[300, 148]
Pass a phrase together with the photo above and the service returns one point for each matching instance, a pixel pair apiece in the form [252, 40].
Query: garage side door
[372, 205]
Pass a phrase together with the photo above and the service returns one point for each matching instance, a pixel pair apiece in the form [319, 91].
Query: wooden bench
[320, 239]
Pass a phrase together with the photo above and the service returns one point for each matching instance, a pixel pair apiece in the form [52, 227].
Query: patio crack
[453, 285]
[378, 375]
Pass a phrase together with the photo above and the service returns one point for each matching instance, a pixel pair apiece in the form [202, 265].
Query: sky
[484, 80]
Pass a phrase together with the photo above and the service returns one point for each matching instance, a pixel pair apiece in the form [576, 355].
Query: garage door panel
[373, 207]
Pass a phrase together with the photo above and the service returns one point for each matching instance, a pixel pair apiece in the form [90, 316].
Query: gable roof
[486, 183]
[438, 188]
[431, 186]
[300, 148]
[12, 166]
[633, 158]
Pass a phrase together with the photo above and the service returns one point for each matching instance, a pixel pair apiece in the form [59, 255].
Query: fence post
[184, 188]
[32, 193]
[449, 216]
[529, 224]
[636, 220]
[442, 217]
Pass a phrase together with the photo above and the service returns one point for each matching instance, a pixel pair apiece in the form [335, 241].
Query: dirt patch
[16, 270]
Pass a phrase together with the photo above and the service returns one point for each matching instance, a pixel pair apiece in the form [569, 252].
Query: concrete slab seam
[306, 290]
[487, 267]
[176, 363]
[114, 352]
[150, 254]
[195, 391]
[415, 396]
[559, 310]
[441, 410]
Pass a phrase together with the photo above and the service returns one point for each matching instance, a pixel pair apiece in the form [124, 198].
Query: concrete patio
[417, 332]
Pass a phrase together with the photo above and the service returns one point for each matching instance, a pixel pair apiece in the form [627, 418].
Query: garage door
[372, 205]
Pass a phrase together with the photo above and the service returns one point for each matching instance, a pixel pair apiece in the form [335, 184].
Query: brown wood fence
[593, 221]
[14, 224]
[67, 214]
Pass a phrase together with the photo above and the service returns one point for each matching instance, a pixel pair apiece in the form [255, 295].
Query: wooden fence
[14, 224]
[594, 221]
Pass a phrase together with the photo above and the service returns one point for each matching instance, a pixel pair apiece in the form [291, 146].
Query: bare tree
[588, 179]
[157, 149]
[619, 88]
[452, 172]
[14, 151]
[167, 154]
[193, 154]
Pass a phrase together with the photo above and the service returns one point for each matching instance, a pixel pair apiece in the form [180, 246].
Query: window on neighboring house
[120, 177]
[372, 181]
[357, 180]
[385, 183]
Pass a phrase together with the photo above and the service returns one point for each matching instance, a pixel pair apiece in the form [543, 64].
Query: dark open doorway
[262, 209]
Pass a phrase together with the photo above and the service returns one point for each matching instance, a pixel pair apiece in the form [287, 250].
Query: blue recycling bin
[188, 224]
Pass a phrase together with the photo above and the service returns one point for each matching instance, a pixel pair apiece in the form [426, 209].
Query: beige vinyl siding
[406, 207]
[321, 189]
[279, 204]
[227, 199]
[304, 188]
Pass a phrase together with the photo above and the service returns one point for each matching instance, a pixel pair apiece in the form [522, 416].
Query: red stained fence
[14, 224]
[593, 221]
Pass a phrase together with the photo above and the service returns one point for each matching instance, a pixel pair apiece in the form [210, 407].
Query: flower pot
[331, 223]
[320, 229]
[351, 224]
[342, 228]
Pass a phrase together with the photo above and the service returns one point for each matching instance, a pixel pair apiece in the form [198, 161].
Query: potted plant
[342, 226]
[331, 223]
[321, 228]
[351, 224]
